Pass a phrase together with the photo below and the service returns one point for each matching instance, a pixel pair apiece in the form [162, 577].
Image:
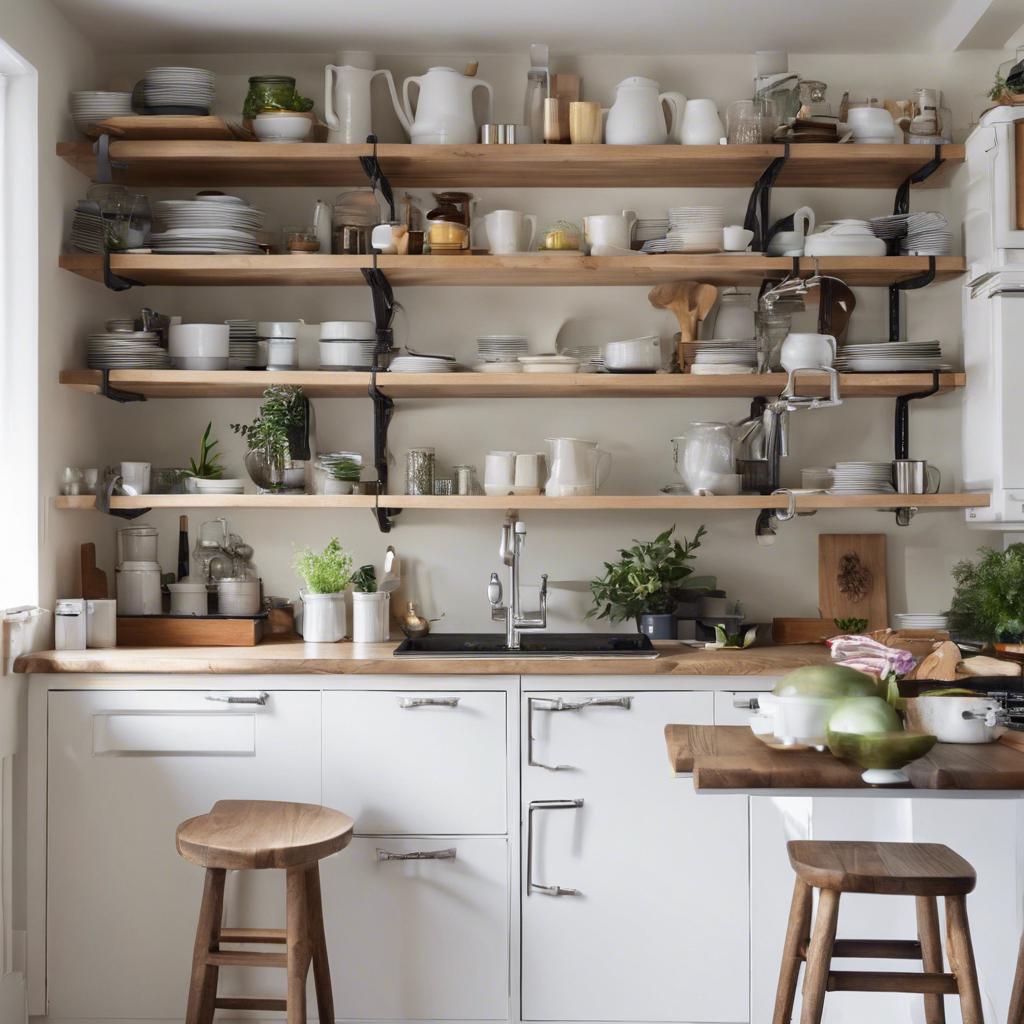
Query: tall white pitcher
[347, 97]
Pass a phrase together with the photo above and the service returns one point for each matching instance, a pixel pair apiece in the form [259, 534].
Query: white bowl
[348, 330]
[281, 126]
[205, 341]
[345, 353]
[279, 328]
[571, 366]
[200, 362]
[506, 367]
[634, 354]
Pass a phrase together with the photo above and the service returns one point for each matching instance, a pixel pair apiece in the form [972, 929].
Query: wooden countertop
[730, 757]
[291, 657]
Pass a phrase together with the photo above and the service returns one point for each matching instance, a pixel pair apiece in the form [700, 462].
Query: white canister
[238, 596]
[323, 618]
[280, 353]
[370, 614]
[189, 598]
[69, 625]
[138, 588]
[101, 623]
[136, 544]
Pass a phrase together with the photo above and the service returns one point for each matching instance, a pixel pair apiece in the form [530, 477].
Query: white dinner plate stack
[890, 357]
[862, 478]
[207, 224]
[920, 620]
[88, 108]
[243, 345]
[714, 357]
[501, 348]
[87, 228]
[179, 87]
[421, 364]
[690, 229]
[222, 486]
[920, 234]
[126, 350]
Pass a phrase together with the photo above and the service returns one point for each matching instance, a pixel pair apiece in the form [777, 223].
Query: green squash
[834, 681]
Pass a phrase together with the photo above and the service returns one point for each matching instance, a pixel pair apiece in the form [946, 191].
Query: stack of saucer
[179, 90]
[919, 234]
[920, 620]
[88, 231]
[862, 478]
[221, 486]
[208, 224]
[691, 229]
[422, 364]
[126, 350]
[714, 357]
[119, 324]
[89, 108]
[243, 346]
[890, 357]
[501, 348]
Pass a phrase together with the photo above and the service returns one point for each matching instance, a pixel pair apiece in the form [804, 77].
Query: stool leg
[1016, 1014]
[819, 957]
[202, 991]
[297, 928]
[931, 954]
[798, 931]
[318, 940]
[961, 959]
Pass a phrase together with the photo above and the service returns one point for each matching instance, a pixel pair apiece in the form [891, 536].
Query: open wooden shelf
[536, 502]
[526, 269]
[337, 384]
[229, 163]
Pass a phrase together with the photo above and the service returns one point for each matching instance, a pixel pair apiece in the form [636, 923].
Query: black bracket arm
[103, 495]
[920, 281]
[902, 203]
[378, 179]
[757, 218]
[115, 282]
[104, 165]
[902, 425]
[107, 390]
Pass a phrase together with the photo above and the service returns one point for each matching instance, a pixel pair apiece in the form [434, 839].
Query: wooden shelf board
[527, 269]
[336, 384]
[208, 163]
[535, 502]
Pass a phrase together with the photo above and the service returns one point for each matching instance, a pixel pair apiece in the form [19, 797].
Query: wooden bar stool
[252, 835]
[922, 870]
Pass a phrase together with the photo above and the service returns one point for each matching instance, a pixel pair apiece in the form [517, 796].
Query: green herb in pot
[327, 572]
[988, 599]
[365, 580]
[208, 467]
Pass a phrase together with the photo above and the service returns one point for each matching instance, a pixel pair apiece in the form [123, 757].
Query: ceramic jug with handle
[637, 117]
[807, 351]
[444, 109]
[347, 101]
[578, 467]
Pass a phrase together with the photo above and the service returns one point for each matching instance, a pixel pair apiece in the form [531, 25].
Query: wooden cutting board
[802, 631]
[162, 127]
[851, 577]
[94, 581]
[188, 631]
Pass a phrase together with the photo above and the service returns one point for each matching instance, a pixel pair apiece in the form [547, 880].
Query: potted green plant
[326, 575]
[208, 467]
[988, 597]
[278, 441]
[370, 608]
[647, 583]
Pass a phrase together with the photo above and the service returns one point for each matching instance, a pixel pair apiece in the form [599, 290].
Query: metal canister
[419, 471]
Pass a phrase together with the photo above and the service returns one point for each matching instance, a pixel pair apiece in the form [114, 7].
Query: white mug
[608, 233]
[701, 124]
[505, 231]
[499, 472]
[736, 238]
[527, 477]
[135, 477]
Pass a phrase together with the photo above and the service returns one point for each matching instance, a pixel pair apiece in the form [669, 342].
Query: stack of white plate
[87, 228]
[208, 224]
[847, 237]
[920, 620]
[550, 364]
[920, 234]
[649, 229]
[122, 323]
[862, 478]
[88, 108]
[691, 229]
[725, 357]
[501, 348]
[179, 87]
[126, 350]
[890, 357]
[243, 345]
[223, 486]
[422, 364]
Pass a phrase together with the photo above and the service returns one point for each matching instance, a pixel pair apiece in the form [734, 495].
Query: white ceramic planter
[370, 614]
[323, 618]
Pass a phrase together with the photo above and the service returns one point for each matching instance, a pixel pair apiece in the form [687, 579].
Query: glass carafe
[703, 455]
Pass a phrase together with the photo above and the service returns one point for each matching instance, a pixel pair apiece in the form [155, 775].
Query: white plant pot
[370, 614]
[323, 618]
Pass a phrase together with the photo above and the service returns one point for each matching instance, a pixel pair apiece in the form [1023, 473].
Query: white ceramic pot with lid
[137, 544]
[238, 595]
[188, 597]
[138, 588]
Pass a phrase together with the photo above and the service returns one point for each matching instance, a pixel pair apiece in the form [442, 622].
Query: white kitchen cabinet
[416, 762]
[421, 937]
[657, 929]
[124, 769]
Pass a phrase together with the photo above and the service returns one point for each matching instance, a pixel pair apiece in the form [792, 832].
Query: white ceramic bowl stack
[126, 350]
[179, 87]
[222, 486]
[862, 478]
[848, 237]
[499, 353]
[550, 364]
[691, 229]
[89, 108]
[422, 364]
[347, 345]
[244, 346]
[214, 223]
[199, 346]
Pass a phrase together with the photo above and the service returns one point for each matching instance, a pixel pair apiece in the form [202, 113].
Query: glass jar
[447, 226]
[353, 218]
[465, 479]
[562, 236]
[772, 328]
[419, 471]
[734, 320]
[273, 92]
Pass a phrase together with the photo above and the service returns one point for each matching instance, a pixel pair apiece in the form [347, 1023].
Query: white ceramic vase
[370, 617]
[323, 618]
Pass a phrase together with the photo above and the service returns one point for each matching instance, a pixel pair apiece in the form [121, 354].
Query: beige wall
[448, 555]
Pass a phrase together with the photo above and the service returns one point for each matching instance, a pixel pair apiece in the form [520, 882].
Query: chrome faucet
[513, 538]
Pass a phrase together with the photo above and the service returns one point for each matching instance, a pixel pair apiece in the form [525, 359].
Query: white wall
[450, 555]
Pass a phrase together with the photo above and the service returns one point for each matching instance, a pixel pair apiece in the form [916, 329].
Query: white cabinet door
[658, 927]
[417, 763]
[422, 938]
[125, 768]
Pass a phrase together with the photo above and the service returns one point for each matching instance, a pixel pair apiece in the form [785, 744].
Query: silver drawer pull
[545, 805]
[428, 702]
[749, 703]
[448, 854]
[260, 698]
[557, 704]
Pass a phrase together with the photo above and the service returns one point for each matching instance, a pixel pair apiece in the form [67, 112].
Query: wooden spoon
[679, 298]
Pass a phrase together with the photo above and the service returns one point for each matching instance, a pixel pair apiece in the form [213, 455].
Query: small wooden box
[189, 631]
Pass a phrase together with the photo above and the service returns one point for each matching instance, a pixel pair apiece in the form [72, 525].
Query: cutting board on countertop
[851, 577]
[94, 581]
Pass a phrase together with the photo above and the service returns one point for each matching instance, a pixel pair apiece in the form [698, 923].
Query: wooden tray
[189, 631]
[167, 127]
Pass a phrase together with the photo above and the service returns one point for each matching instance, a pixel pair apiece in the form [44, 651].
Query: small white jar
[370, 613]
[188, 598]
[239, 596]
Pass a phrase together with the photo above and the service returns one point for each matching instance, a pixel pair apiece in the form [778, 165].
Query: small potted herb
[988, 599]
[278, 441]
[326, 574]
[370, 608]
[648, 582]
[208, 467]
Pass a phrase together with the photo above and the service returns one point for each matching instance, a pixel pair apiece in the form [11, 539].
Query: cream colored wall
[449, 556]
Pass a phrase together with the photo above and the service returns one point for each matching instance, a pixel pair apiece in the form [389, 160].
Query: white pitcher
[578, 467]
[609, 234]
[637, 118]
[347, 101]
[444, 110]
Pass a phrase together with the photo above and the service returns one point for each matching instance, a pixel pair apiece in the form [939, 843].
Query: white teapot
[444, 110]
[637, 117]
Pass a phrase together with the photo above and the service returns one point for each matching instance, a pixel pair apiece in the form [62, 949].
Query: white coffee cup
[505, 231]
[736, 238]
[608, 234]
[528, 473]
[135, 476]
[499, 473]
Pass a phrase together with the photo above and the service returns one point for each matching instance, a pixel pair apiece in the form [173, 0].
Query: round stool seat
[908, 869]
[239, 834]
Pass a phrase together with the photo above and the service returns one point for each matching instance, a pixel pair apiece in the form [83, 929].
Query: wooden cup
[585, 123]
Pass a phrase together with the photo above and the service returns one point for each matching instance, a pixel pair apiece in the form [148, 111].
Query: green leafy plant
[851, 625]
[328, 572]
[650, 578]
[208, 467]
[988, 599]
[998, 87]
[365, 580]
[737, 641]
[347, 470]
[282, 414]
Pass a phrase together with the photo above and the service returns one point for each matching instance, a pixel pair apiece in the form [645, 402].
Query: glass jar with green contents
[273, 92]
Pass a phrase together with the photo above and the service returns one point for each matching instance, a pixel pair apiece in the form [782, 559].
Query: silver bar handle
[427, 702]
[557, 704]
[545, 805]
[750, 703]
[447, 854]
[260, 698]
[530, 762]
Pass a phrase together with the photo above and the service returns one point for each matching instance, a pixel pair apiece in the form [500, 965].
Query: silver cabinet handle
[557, 704]
[448, 854]
[545, 805]
[427, 702]
[260, 698]
[746, 703]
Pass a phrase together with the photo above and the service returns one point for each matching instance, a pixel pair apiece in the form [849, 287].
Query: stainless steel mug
[915, 476]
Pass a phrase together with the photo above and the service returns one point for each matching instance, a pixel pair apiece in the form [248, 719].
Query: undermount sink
[534, 645]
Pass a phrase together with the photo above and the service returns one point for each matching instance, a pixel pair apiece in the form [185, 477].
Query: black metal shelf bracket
[107, 390]
[757, 218]
[910, 284]
[378, 179]
[902, 203]
[104, 165]
[104, 494]
[115, 282]
[901, 436]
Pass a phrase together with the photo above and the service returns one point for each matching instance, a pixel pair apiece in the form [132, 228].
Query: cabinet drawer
[412, 762]
[423, 938]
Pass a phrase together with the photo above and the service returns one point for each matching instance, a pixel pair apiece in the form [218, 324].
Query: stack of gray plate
[89, 108]
[126, 350]
[890, 357]
[207, 224]
[243, 346]
[168, 88]
[88, 232]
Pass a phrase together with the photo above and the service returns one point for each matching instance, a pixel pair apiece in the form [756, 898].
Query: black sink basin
[534, 645]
